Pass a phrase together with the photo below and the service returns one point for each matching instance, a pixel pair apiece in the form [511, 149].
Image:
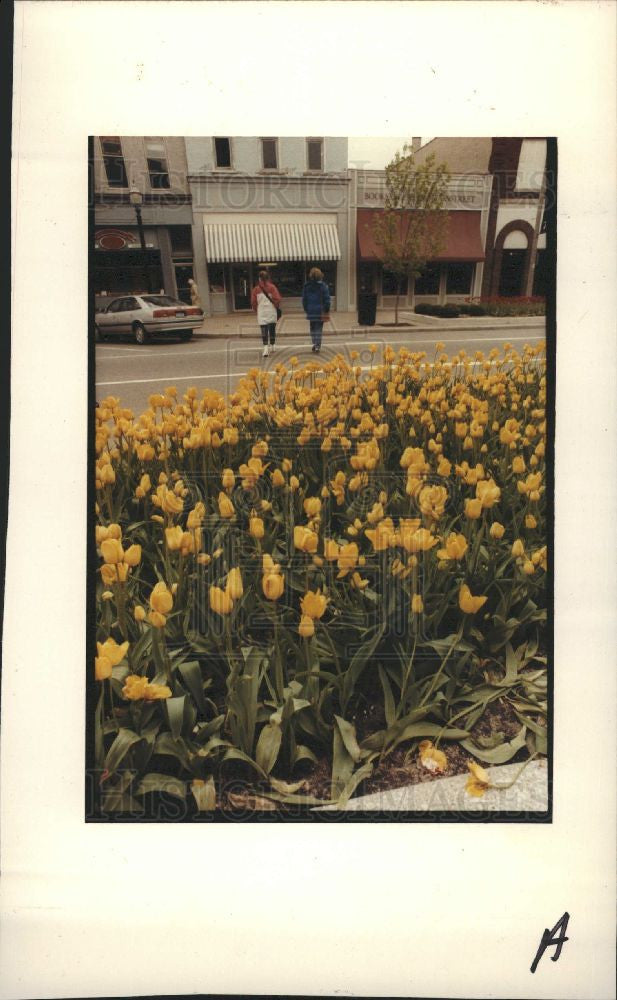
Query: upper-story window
[269, 154]
[531, 164]
[113, 161]
[314, 154]
[222, 152]
[157, 163]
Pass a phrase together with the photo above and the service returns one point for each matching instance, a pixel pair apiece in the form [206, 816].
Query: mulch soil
[401, 767]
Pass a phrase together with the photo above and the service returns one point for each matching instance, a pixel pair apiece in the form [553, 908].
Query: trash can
[367, 308]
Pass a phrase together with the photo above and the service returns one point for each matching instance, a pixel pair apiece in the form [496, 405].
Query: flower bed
[329, 566]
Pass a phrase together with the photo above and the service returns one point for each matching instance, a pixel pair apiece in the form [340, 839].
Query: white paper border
[427, 910]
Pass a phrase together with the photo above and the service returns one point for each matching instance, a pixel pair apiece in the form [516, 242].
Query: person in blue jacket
[316, 305]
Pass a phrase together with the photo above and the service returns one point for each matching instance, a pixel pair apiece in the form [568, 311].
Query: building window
[458, 281]
[390, 283]
[531, 164]
[288, 276]
[314, 154]
[216, 277]
[113, 161]
[328, 268]
[157, 163]
[222, 152]
[269, 154]
[428, 282]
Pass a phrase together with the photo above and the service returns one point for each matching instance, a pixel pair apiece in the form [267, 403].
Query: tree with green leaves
[412, 229]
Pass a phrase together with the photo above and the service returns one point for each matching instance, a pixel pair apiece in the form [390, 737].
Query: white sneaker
[272, 348]
[265, 352]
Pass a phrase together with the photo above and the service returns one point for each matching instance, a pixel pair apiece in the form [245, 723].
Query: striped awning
[267, 241]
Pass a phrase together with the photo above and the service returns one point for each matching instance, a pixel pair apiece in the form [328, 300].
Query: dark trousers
[316, 331]
[268, 330]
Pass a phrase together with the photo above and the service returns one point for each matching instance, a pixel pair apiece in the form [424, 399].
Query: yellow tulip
[273, 585]
[132, 556]
[278, 479]
[139, 613]
[294, 483]
[102, 668]
[473, 509]
[112, 651]
[306, 628]
[488, 493]
[173, 537]
[455, 547]
[109, 574]
[497, 530]
[161, 599]
[467, 602]
[312, 506]
[383, 536]
[518, 464]
[417, 604]
[234, 588]
[478, 781]
[228, 479]
[347, 558]
[112, 551]
[431, 758]
[256, 527]
[518, 549]
[419, 541]
[226, 507]
[305, 539]
[528, 567]
[313, 604]
[220, 602]
[171, 503]
[139, 688]
[157, 619]
[330, 549]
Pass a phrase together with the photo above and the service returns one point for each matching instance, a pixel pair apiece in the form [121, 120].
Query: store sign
[115, 239]
[465, 191]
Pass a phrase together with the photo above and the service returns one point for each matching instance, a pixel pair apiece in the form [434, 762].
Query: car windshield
[162, 300]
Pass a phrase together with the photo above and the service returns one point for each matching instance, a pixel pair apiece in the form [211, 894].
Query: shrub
[324, 540]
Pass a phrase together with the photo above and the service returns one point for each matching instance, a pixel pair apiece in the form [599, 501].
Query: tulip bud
[139, 613]
[256, 527]
[496, 530]
[234, 586]
[306, 628]
[417, 604]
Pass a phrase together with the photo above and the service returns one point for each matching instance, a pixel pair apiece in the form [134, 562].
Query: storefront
[453, 276]
[289, 246]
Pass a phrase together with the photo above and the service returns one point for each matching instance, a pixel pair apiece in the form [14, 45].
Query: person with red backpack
[265, 301]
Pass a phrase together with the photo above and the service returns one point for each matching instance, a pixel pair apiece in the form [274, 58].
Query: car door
[112, 317]
[132, 310]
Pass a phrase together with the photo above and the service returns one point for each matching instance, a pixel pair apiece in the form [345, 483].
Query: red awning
[463, 241]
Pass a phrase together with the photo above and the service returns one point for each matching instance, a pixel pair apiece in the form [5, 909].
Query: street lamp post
[136, 199]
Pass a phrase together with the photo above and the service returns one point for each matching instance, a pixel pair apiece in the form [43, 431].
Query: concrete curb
[368, 331]
[528, 794]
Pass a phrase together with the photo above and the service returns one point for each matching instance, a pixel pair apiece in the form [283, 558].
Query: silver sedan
[145, 316]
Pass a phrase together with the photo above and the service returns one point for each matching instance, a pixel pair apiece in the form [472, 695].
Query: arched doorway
[512, 259]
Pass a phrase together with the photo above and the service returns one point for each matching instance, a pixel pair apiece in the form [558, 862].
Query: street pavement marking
[281, 346]
[170, 379]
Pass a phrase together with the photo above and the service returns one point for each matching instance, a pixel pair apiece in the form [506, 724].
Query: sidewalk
[346, 323]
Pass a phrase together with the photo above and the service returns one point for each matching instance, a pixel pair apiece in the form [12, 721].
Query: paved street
[132, 373]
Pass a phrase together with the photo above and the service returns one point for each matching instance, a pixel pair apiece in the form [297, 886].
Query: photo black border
[308, 814]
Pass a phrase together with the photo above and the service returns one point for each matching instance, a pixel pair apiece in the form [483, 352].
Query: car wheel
[186, 335]
[139, 330]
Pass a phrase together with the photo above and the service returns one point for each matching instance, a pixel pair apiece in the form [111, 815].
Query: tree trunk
[398, 295]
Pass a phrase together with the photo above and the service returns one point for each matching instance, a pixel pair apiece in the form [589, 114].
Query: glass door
[241, 286]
